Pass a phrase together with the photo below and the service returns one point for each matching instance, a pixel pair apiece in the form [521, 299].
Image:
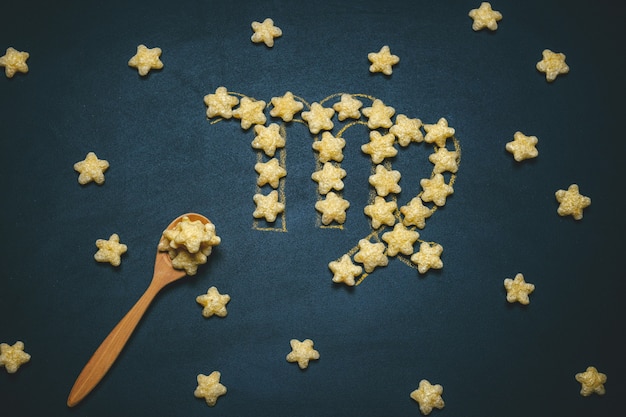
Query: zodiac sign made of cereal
[394, 226]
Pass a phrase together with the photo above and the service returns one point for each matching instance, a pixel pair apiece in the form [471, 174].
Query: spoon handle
[110, 348]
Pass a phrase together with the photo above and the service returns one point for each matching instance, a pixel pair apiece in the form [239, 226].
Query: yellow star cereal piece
[571, 202]
[267, 206]
[285, 107]
[591, 381]
[344, 270]
[192, 235]
[371, 255]
[380, 146]
[329, 178]
[110, 250]
[91, 169]
[407, 130]
[382, 61]
[265, 32]
[14, 61]
[379, 115]
[400, 240]
[213, 302]
[415, 213]
[518, 290]
[522, 147]
[270, 172]
[333, 208]
[209, 388]
[318, 118]
[444, 160]
[348, 107]
[302, 352]
[330, 148]
[146, 59]
[182, 259]
[438, 133]
[429, 256]
[12, 357]
[268, 138]
[381, 212]
[435, 190]
[552, 64]
[385, 181]
[220, 103]
[428, 396]
[250, 112]
[485, 17]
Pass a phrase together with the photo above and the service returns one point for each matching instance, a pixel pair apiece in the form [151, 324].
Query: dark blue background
[377, 340]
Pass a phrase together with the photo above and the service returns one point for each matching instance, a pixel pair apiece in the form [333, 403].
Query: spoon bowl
[104, 357]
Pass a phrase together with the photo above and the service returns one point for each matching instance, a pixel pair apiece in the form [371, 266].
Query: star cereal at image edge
[12, 357]
[14, 61]
[485, 17]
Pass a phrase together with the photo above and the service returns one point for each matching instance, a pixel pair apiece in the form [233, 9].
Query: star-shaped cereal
[302, 352]
[329, 178]
[380, 146]
[517, 290]
[382, 61]
[429, 256]
[435, 190]
[438, 133]
[285, 107]
[250, 112]
[371, 255]
[348, 107]
[428, 396]
[400, 240]
[192, 235]
[522, 147]
[553, 64]
[571, 202]
[265, 32]
[330, 148]
[379, 115]
[407, 130]
[485, 17]
[444, 160]
[268, 138]
[12, 357]
[182, 259]
[415, 213]
[385, 181]
[91, 169]
[267, 206]
[333, 208]
[14, 61]
[318, 118]
[213, 302]
[110, 250]
[381, 212]
[344, 270]
[270, 172]
[146, 59]
[591, 381]
[220, 103]
[209, 388]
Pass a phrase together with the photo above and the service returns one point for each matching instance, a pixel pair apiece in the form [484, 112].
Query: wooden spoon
[105, 355]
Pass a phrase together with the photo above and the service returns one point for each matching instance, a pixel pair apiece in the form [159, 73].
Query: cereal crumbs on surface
[485, 17]
[518, 290]
[14, 61]
[302, 352]
[571, 202]
[553, 64]
[146, 59]
[12, 357]
[428, 396]
[209, 388]
[591, 382]
[110, 250]
[213, 302]
[265, 32]
[523, 147]
[91, 169]
[383, 60]
[344, 270]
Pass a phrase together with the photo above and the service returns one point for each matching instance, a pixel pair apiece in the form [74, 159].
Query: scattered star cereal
[250, 112]
[333, 208]
[270, 172]
[428, 396]
[110, 250]
[415, 213]
[344, 270]
[428, 256]
[379, 115]
[380, 146]
[400, 240]
[330, 148]
[523, 147]
[385, 181]
[485, 17]
[146, 59]
[14, 61]
[444, 160]
[371, 255]
[348, 107]
[209, 388]
[435, 190]
[383, 60]
[329, 178]
[553, 64]
[265, 32]
[591, 381]
[518, 290]
[213, 303]
[268, 138]
[438, 133]
[318, 118]
[267, 206]
[220, 103]
[571, 202]
[302, 352]
[381, 212]
[12, 357]
[407, 130]
[91, 169]
[285, 107]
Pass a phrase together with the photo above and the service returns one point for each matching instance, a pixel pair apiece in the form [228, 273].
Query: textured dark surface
[377, 340]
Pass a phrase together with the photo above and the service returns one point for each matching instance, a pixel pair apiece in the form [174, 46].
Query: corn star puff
[213, 302]
[14, 61]
[285, 107]
[428, 256]
[485, 17]
[344, 270]
[12, 357]
[383, 60]
[571, 202]
[428, 396]
[302, 352]
[91, 169]
[318, 118]
[265, 32]
[522, 147]
[591, 382]
[371, 255]
[553, 64]
[332, 208]
[146, 59]
[518, 290]
[220, 103]
[209, 388]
